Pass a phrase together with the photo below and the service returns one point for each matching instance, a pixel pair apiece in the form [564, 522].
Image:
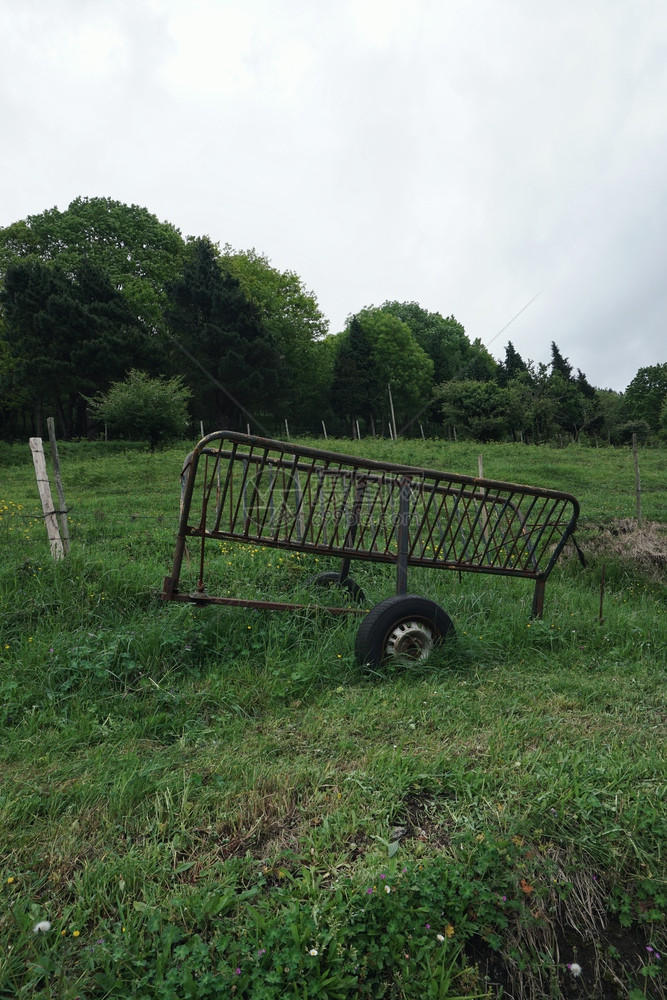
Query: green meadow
[220, 802]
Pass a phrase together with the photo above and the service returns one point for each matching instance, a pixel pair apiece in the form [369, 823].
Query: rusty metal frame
[285, 496]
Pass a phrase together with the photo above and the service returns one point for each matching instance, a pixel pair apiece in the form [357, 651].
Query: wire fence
[107, 510]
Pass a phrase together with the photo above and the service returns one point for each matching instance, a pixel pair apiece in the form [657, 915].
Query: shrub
[144, 407]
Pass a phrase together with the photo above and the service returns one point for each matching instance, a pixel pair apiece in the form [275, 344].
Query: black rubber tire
[333, 580]
[405, 626]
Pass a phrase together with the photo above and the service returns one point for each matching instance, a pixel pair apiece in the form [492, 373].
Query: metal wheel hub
[412, 640]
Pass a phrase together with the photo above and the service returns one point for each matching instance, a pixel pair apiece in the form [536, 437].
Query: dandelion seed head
[574, 968]
[41, 927]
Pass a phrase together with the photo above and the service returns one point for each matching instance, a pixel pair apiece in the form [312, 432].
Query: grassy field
[205, 803]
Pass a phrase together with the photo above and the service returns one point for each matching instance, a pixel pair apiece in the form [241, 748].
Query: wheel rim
[411, 640]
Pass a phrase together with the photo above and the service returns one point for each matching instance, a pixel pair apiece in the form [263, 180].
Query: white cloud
[466, 155]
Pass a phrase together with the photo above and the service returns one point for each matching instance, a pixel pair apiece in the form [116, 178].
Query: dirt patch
[643, 548]
[602, 966]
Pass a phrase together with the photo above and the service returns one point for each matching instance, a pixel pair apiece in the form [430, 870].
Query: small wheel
[333, 580]
[405, 626]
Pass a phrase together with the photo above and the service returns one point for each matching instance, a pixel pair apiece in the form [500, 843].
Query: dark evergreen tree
[560, 365]
[69, 336]
[513, 365]
[356, 391]
[230, 360]
[296, 325]
[584, 386]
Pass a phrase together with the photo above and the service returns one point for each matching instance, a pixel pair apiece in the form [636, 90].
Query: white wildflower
[574, 968]
[313, 952]
[387, 888]
[440, 937]
[41, 927]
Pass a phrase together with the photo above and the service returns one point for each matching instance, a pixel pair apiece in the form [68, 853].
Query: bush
[142, 407]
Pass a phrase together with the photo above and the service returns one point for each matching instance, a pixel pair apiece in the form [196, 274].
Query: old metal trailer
[242, 488]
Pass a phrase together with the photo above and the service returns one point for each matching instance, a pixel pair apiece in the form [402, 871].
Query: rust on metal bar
[240, 602]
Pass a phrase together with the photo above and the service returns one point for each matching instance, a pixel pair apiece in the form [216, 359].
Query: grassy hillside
[207, 803]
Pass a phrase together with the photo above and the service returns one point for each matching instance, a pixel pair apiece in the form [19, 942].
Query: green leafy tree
[589, 402]
[294, 322]
[566, 404]
[141, 407]
[520, 402]
[480, 363]
[375, 351]
[539, 417]
[401, 363]
[575, 401]
[612, 415]
[646, 394]
[663, 421]
[477, 409]
[140, 254]
[229, 357]
[443, 339]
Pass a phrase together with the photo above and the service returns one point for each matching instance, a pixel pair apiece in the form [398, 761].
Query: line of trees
[102, 291]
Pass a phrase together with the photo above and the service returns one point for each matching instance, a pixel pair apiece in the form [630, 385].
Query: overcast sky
[468, 155]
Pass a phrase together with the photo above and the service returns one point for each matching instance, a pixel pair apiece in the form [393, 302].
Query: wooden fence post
[44, 488]
[637, 480]
[393, 416]
[62, 512]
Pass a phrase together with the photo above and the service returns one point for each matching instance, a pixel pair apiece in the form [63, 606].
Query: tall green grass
[199, 800]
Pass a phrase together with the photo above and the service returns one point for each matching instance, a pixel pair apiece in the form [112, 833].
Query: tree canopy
[444, 340]
[378, 350]
[292, 320]
[646, 394]
[230, 357]
[68, 334]
[103, 289]
[153, 408]
[139, 254]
